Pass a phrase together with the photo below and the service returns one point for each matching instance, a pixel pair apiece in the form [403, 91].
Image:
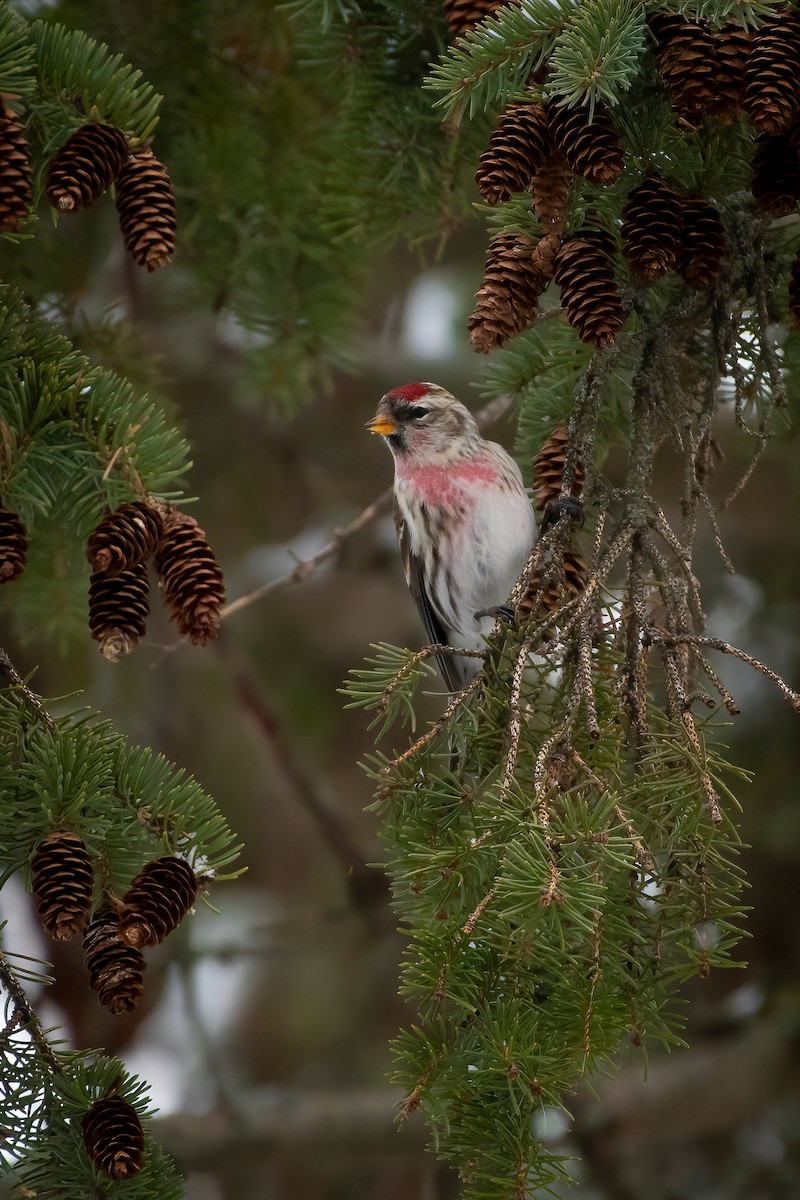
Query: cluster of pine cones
[92, 158]
[62, 881]
[542, 148]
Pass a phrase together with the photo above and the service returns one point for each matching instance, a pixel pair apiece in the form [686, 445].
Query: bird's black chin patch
[397, 441]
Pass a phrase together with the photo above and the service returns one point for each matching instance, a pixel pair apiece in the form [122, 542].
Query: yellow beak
[382, 425]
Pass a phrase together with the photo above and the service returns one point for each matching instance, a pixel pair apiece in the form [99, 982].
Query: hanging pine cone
[16, 172]
[588, 141]
[463, 15]
[776, 174]
[85, 166]
[13, 546]
[548, 469]
[550, 192]
[115, 969]
[732, 45]
[651, 228]
[118, 609]
[687, 62]
[124, 538]
[772, 79]
[113, 1137]
[192, 580]
[702, 245]
[794, 290]
[157, 901]
[549, 589]
[516, 151]
[507, 299]
[589, 292]
[146, 207]
[61, 881]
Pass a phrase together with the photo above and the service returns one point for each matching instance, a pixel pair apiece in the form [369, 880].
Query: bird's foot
[555, 509]
[499, 612]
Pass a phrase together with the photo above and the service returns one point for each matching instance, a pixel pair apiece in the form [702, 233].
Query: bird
[464, 520]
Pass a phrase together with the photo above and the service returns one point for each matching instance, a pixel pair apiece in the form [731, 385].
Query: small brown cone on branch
[507, 299]
[651, 228]
[588, 141]
[702, 247]
[115, 969]
[549, 589]
[732, 45]
[157, 901]
[118, 610]
[13, 546]
[16, 171]
[463, 15]
[146, 207]
[772, 78]
[61, 881]
[550, 192]
[194, 591]
[776, 174]
[85, 166]
[113, 1137]
[548, 469]
[794, 290]
[589, 293]
[516, 151]
[124, 538]
[687, 62]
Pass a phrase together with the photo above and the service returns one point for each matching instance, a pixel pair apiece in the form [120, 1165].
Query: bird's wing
[431, 619]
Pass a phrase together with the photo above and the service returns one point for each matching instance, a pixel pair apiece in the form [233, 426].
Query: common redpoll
[464, 521]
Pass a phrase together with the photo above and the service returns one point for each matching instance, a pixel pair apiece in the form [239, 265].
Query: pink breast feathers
[450, 485]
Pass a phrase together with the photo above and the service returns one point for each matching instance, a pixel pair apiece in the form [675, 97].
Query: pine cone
[516, 150]
[61, 881]
[776, 174]
[589, 292]
[651, 228]
[507, 299]
[157, 901]
[732, 45]
[118, 609]
[589, 142]
[772, 78]
[702, 245]
[13, 546]
[16, 172]
[85, 166]
[463, 15]
[549, 590]
[124, 538]
[687, 62]
[113, 1137]
[548, 469]
[192, 580]
[794, 290]
[146, 207]
[115, 969]
[550, 192]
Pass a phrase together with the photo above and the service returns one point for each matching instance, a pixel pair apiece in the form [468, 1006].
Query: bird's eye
[417, 411]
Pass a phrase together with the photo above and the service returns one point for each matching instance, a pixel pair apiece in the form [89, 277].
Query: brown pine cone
[516, 150]
[651, 228]
[16, 172]
[113, 1137]
[146, 207]
[507, 299]
[702, 247]
[61, 881]
[124, 538]
[157, 901]
[551, 188]
[772, 78]
[589, 142]
[194, 591]
[13, 546]
[687, 63]
[589, 292]
[85, 166]
[463, 15]
[548, 469]
[794, 290]
[115, 969]
[776, 174]
[732, 45]
[549, 589]
[118, 610]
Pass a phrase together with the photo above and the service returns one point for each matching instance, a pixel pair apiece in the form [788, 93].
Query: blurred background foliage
[265, 1030]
